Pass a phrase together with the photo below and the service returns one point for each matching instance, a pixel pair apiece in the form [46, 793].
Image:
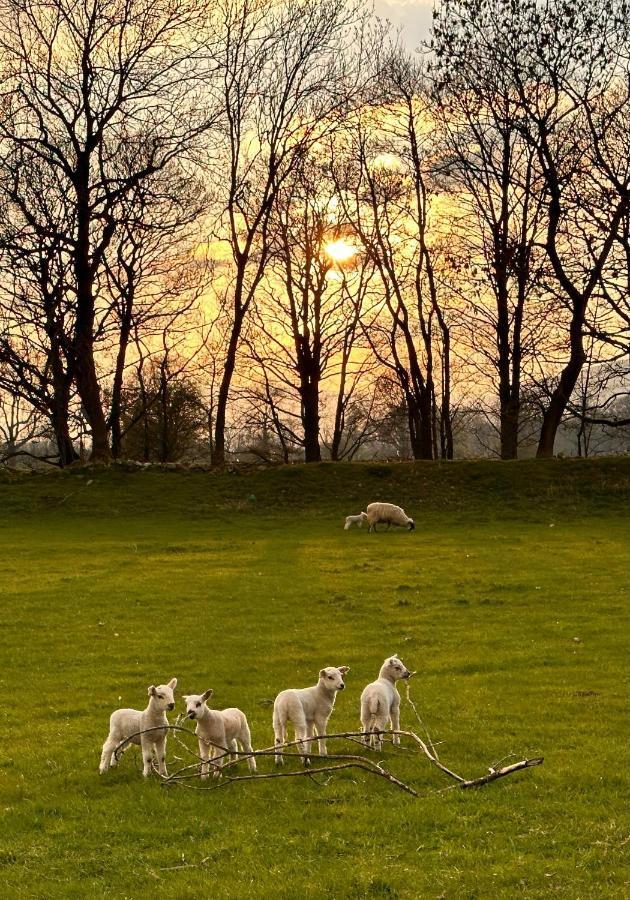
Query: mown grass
[511, 599]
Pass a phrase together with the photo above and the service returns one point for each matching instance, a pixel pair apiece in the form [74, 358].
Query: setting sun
[341, 251]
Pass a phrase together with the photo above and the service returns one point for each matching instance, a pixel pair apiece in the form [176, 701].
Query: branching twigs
[493, 774]
[224, 762]
[349, 762]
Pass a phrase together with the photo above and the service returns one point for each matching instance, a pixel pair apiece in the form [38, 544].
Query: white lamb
[124, 725]
[219, 731]
[389, 515]
[380, 703]
[355, 520]
[308, 709]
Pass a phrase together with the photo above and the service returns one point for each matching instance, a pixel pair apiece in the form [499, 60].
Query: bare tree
[567, 70]
[307, 312]
[81, 81]
[288, 68]
[384, 180]
[492, 172]
[155, 272]
[36, 309]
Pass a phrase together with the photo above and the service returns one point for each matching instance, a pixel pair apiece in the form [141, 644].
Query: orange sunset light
[341, 251]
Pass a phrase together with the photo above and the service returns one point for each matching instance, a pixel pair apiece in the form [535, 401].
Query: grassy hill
[510, 599]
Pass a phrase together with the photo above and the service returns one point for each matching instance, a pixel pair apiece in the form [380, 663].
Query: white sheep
[219, 731]
[124, 725]
[380, 702]
[308, 709]
[389, 515]
[355, 520]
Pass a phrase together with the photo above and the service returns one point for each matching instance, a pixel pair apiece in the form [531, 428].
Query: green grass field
[510, 599]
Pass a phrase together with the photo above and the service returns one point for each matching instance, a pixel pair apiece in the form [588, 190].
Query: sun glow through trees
[341, 251]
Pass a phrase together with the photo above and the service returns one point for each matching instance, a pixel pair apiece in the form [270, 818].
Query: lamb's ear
[343, 669]
[207, 694]
[151, 690]
[322, 673]
[172, 683]
[185, 697]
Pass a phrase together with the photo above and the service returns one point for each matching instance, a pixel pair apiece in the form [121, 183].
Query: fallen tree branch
[227, 759]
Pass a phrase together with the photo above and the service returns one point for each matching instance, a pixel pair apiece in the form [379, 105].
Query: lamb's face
[395, 669]
[195, 704]
[411, 526]
[163, 695]
[332, 678]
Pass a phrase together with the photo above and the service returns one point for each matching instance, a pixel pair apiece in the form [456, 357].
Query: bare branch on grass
[227, 759]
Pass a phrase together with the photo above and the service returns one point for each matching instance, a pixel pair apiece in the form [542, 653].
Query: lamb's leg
[107, 754]
[366, 722]
[234, 745]
[160, 752]
[305, 737]
[204, 753]
[395, 724]
[377, 729]
[147, 755]
[246, 744]
[321, 725]
[220, 754]
[280, 737]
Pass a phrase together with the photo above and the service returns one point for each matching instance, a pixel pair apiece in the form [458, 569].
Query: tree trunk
[59, 411]
[117, 386]
[85, 368]
[561, 396]
[310, 418]
[425, 430]
[218, 453]
[510, 413]
[65, 447]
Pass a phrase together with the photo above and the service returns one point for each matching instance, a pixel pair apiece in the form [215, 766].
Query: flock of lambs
[308, 709]
[223, 731]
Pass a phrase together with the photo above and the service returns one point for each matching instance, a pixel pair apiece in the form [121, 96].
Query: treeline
[267, 226]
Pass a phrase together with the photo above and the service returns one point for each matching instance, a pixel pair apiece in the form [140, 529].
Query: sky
[412, 16]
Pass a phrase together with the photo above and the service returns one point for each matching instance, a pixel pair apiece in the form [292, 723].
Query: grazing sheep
[219, 731]
[308, 709]
[124, 725]
[388, 514]
[355, 520]
[380, 702]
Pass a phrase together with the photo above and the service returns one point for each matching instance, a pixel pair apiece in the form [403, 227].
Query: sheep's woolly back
[388, 513]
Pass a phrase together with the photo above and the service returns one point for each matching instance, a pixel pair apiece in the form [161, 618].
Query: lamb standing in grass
[380, 702]
[124, 725]
[219, 731]
[355, 520]
[309, 710]
[389, 515]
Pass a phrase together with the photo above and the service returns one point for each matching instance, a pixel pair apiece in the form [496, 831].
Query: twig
[356, 763]
[493, 774]
[422, 725]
